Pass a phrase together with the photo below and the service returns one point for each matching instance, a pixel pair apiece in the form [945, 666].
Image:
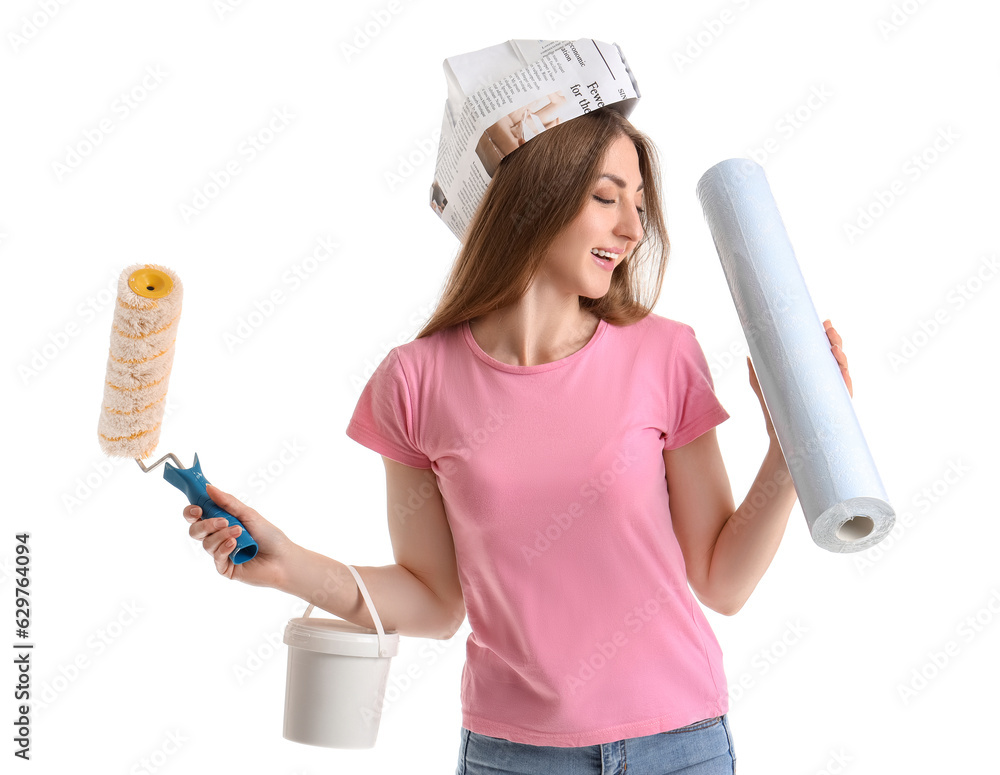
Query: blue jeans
[702, 748]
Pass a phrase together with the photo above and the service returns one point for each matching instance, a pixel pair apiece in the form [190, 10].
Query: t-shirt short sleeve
[383, 419]
[694, 407]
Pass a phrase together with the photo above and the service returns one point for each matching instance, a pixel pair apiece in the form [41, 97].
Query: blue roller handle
[191, 481]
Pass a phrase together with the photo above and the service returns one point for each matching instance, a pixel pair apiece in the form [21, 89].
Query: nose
[629, 224]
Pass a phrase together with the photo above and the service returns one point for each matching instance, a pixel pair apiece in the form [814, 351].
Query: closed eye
[612, 201]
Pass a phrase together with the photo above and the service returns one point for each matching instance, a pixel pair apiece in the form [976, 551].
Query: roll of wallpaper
[838, 486]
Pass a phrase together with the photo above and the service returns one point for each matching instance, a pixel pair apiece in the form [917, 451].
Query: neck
[534, 331]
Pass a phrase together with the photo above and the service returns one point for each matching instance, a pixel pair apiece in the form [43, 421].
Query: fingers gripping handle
[191, 481]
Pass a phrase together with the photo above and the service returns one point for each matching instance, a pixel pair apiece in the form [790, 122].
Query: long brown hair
[536, 191]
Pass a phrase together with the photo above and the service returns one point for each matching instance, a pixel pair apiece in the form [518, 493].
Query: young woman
[553, 472]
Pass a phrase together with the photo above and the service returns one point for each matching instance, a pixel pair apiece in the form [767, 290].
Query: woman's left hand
[838, 353]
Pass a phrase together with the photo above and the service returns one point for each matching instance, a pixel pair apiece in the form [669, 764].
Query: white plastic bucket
[337, 673]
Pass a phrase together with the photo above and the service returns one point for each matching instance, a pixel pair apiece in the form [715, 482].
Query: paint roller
[143, 333]
[842, 497]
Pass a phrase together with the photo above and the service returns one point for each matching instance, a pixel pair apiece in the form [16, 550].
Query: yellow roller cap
[151, 283]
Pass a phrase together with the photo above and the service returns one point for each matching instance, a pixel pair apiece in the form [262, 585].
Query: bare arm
[404, 603]
[726, 551]
[420, 595]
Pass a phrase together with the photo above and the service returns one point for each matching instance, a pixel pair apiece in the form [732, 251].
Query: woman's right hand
[268, 568]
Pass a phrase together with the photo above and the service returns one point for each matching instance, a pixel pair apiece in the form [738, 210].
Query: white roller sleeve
[140, 357]
[838, 486]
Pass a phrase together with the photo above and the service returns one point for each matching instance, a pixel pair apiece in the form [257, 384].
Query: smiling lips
[606, 256]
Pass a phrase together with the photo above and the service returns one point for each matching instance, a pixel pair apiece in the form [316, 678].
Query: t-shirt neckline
[489, 360]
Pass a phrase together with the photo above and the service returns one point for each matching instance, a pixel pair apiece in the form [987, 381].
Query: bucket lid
[336, 636]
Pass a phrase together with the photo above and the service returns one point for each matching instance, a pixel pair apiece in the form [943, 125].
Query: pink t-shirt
[584, 629]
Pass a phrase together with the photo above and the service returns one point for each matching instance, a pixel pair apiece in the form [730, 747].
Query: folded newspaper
[502, 96]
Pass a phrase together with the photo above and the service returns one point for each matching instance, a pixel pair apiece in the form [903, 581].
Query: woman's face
[609, 221]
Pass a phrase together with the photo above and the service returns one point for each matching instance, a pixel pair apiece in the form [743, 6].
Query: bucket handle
[382, 650]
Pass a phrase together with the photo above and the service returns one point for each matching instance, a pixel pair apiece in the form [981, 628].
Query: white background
[816, 659]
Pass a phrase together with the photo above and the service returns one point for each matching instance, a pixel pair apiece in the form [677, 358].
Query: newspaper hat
[501, 96]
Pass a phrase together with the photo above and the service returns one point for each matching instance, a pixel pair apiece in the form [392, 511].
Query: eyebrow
[619, 182]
